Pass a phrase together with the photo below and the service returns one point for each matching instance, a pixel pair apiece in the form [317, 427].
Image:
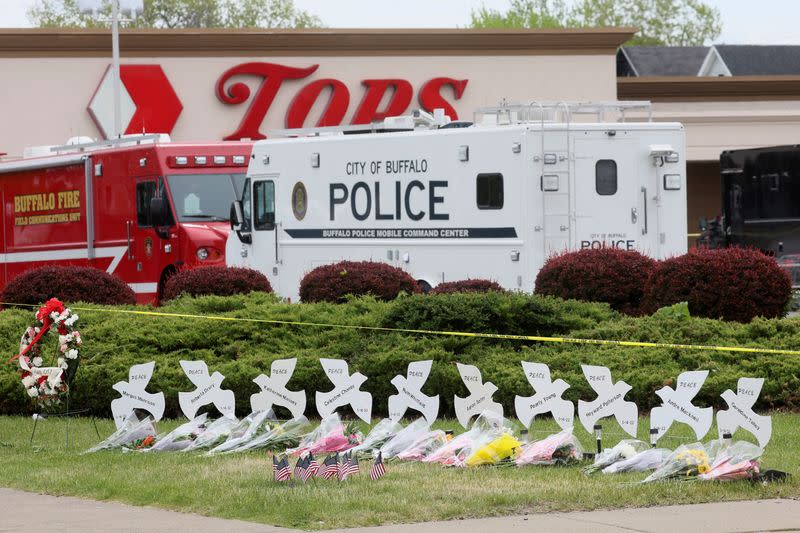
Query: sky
[744, 21]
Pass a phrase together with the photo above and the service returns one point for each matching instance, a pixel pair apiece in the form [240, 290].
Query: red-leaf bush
[616, 277]
[331, 283]
[467, 285]
[729, 283]
[216, 280]
[68, 284]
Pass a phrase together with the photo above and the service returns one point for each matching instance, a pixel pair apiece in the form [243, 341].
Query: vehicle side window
[605, 172]
[489, 191]
[264, 205]
[145, 191]
[246, 205]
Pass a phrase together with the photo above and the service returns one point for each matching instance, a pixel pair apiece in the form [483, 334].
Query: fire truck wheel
[424, 286]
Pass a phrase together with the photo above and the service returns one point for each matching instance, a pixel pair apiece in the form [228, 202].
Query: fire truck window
[264, 205]
[490, 191]
[145, 191]
[605, 173]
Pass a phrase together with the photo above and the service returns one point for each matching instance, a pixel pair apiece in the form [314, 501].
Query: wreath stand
[66, 414]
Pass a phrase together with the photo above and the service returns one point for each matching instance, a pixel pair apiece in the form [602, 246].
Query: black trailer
[761, 202]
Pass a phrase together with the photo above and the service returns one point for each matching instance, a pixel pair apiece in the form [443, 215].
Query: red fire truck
[139, 207]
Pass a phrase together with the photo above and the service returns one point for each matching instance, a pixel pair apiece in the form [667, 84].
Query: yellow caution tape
[535, 338]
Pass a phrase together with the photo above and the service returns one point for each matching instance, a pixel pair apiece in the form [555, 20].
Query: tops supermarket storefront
[211, 85]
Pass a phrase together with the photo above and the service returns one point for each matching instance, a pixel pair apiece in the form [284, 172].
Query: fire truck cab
[139, 207]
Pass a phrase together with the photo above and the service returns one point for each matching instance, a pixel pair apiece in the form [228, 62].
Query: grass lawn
[241, 486]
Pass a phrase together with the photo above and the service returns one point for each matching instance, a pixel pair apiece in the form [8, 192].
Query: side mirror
[158, 211]
[236, 216]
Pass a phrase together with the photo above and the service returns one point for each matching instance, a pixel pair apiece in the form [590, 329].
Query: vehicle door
[615, 196]
[147, 236]
[264, 228]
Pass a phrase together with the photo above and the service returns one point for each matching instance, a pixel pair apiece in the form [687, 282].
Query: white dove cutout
[346, 391]
[677, 406]
[208, 391]
[740, 411]
[409, 393]
[133, 395]
[610, 401]
[274, 391]
[547, 397]
[480, 398]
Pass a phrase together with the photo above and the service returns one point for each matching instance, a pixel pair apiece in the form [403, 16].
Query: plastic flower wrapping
[215, 433]
[649, 459]
[404, 438]
[501, 448]
[486, 428]
[330, 437]
[377, 437]
[132, 433]
[279, 436]
[560, 448]
[425, 444]
[624, 449]
[686, 462]
[247, 429]
[736, 461]
[180, 437]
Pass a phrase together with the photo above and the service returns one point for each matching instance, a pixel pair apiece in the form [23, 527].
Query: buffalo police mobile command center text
[448, 201]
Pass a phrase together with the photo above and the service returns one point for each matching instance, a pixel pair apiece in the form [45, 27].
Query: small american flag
[299, 468]
[378, 469]
[282, 471]
[311, 467]
[329, 468]
[348, 467]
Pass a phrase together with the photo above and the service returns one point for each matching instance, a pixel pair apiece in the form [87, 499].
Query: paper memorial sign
[740, 411]
[208, 391]
[409, 393]
[547, 398]
[610, 401]
[677, 406]
[133, 395]
[274, 391]
[480, 397]
[346, 391]
[52, 373]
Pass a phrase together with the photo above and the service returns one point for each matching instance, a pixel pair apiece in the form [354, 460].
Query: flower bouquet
[246, 430]
[501, 448]
[330, 437]
[132, 430]
[378, 436]
[278, 437]
[686, 462]
[404, 438]
[425, 444]
[180, 437]
[649, 459]
[625, 449]
[486, 428]
[215, 433]
[560, 448]
[737, 461]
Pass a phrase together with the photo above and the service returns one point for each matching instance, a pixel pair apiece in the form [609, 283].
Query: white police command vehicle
[449, 201]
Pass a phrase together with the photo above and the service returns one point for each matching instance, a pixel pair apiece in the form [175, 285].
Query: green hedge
[242, 350]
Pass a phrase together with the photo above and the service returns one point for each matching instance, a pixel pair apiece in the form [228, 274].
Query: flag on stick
[329, 468]
[299, 468]
[282, 470]
[348, 467]
[378, 469]
[312, 467]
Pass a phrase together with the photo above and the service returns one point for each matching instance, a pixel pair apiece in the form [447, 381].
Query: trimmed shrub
[216, 280]
[495, 312]
[68, 284]
[728, 283]
[467, 285]
[616, 277]
[332, 283]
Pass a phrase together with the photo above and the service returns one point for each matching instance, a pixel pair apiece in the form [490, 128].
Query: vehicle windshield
[205, 197]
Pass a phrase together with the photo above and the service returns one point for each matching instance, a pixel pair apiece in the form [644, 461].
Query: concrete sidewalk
[32, 513]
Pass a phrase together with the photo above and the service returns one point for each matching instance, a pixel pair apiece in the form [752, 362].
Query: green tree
[659, 22]
[181, 14]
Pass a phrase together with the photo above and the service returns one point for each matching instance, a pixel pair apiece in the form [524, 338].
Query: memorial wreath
[47, 385]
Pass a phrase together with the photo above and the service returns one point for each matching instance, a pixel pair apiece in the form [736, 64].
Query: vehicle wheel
[424, 286]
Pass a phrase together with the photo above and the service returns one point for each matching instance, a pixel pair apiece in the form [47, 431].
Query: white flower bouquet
[625, 449]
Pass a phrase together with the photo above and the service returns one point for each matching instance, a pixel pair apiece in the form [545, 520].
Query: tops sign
[273, 75]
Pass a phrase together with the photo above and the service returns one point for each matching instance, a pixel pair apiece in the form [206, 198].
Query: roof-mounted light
[239, 160]
[181, 160]
[200, 160]
[220, 159]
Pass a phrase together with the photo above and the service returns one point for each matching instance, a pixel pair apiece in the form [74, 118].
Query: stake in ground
[241, 486]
